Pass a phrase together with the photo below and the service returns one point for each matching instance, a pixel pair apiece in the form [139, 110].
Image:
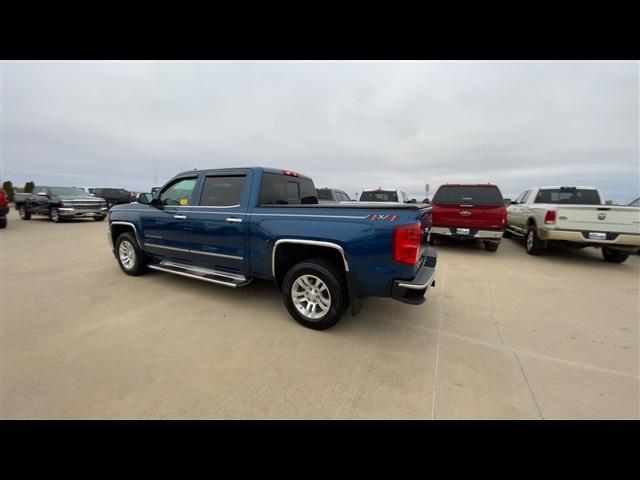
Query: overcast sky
[349, 125]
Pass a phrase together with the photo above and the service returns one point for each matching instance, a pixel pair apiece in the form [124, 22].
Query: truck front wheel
[131, 259]
[315, 294]
[614, 256]
[24, 213]
[533, 243]
[54, 215]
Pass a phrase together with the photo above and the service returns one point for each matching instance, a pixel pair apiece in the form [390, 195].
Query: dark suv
[114, 196]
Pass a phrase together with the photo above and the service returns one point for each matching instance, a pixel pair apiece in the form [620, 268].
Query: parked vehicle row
[114, 196]
[230, 226]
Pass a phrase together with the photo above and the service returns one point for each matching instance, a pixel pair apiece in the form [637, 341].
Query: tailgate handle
[180, 217]
[234, 220]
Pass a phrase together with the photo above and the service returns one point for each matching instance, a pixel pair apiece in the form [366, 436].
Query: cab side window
[178, 193]
[222, 191]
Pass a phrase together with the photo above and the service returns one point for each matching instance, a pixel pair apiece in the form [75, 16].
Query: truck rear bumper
[576, 236]
[413, 291]
[473, 233]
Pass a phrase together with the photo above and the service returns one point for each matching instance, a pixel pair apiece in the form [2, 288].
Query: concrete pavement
[503, 335]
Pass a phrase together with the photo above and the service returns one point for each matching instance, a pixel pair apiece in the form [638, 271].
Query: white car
[576, 217]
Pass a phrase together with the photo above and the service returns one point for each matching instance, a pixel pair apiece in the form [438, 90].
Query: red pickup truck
[4, 208]
[470, 211]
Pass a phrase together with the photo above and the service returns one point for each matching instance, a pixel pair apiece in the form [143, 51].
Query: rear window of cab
[379, 196]
[468, 195]
[280, 189]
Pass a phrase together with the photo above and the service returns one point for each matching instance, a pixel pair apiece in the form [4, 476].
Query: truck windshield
[379, 196]
[468, 194]
[67, 192]
[568, 196]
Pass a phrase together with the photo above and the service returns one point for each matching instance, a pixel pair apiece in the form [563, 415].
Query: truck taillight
[550, 216]
[406, 243]
[289, 173]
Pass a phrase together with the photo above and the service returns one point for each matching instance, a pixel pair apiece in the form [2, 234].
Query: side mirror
[145, 198]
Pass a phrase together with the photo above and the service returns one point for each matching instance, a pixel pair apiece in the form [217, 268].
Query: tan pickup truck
[575, 217]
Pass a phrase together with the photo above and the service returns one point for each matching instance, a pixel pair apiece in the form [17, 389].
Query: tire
[301, 279]
[491, 246]
[54, 215]
[131, 259]
[532, 243]
[99, 219]
[24, 213]
[3, 222]
[614, 256]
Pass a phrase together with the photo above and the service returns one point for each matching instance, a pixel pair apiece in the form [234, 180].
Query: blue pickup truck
[230, 226]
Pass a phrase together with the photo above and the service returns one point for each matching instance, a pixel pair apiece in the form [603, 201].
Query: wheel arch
[117, 228]
[289, 251]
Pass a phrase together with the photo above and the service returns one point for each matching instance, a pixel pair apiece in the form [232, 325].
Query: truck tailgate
[605, 218]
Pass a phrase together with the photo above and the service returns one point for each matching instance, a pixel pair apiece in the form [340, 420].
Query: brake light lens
[289, 173]
[406, 243]
[550, 216]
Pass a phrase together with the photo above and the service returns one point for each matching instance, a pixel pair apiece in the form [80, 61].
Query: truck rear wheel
[24, 213]
[3, 222]
[533, 243]
[614, 256]
[315, 294]
[131, 259]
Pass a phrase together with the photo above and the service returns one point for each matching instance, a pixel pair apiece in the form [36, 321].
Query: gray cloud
[347, 124]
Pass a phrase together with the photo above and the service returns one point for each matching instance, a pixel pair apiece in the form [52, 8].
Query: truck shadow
[262, 302]
[576, 256]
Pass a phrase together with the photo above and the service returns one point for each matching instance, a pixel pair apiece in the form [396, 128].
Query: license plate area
[597, 236]
[462, 231]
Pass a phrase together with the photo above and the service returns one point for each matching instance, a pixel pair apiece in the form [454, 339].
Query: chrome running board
[199, 273]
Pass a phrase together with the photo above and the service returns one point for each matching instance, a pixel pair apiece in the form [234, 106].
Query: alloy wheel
[311, 297]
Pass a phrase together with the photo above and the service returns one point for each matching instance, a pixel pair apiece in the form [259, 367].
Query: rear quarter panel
[364, 234]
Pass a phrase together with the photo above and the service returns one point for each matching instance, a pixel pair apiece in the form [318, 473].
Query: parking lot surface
[502, 336]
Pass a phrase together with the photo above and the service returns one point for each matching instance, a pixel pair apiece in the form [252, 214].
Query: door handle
[180, 217]
[234, 220]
